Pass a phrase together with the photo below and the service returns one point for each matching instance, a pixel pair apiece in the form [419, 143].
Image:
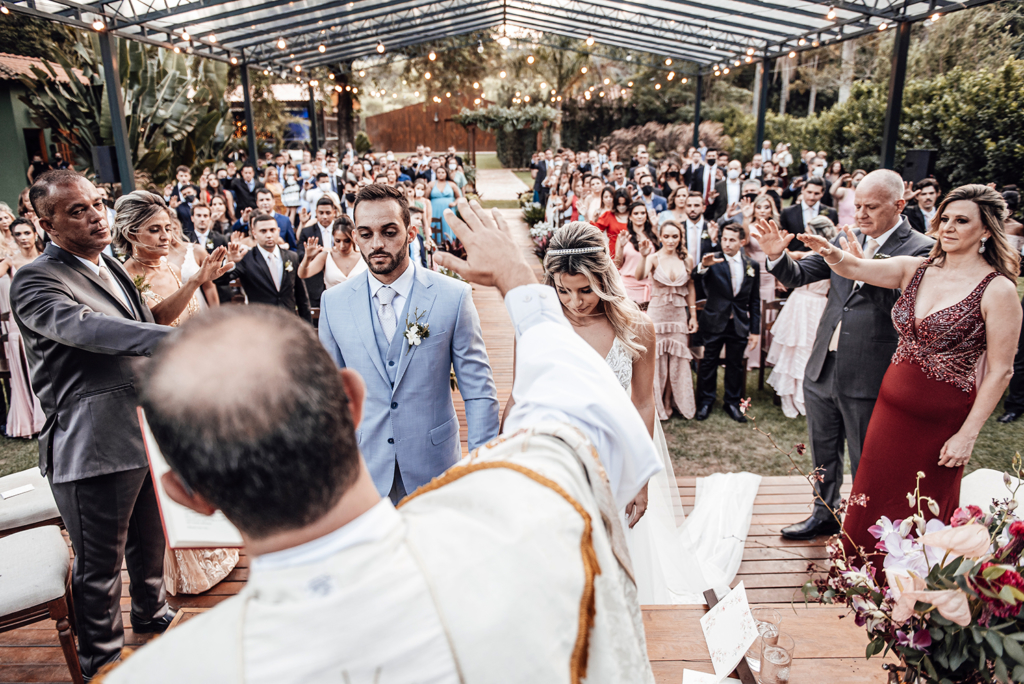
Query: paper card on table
[694, 677]
[729, 630]
[183, 527]
[23, 489]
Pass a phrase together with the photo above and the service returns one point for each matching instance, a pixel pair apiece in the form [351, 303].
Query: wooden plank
[804, 671]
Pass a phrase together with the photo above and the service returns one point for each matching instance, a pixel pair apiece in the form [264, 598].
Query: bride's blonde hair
[596, 265]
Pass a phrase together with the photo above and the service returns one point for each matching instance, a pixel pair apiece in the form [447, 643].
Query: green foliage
[362, 144]
[175, 106]
[456, 65]
[31, 37]
[507, 119]
[516, 148]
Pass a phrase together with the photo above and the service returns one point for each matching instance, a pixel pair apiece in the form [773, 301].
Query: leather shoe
[811, 528]
[155, 626]
[703, 412]
[734, 413]
[1008, 417]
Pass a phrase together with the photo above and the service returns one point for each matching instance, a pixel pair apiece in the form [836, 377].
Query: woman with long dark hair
[627, 252]
[615, 221]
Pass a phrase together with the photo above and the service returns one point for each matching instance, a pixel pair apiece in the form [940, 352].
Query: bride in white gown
[675, 557]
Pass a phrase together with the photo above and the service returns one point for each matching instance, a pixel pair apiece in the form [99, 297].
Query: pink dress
[792, 338]
[845, 209]
[25, 415]
[637, 290]
[668, 310]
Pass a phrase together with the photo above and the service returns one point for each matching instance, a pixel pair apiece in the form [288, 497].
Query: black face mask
[647, 190]
[750, 196]
[190, 198]
[673, 174]
[350, 197]
[712, 162]
[769, 182]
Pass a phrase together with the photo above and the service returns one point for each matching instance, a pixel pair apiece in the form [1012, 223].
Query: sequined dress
[924, 399]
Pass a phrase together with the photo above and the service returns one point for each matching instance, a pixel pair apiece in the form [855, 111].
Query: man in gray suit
[855, 339]
[83, 321]
[410, 432]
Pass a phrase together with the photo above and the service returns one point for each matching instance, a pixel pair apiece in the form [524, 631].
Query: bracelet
[838, 262]
[693, 307]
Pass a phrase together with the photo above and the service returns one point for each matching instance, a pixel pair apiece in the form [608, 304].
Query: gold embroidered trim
[591, 567]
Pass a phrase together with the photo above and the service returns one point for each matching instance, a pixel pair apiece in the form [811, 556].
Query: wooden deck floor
[772, 568]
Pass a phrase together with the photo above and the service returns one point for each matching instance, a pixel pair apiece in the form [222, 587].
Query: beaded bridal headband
[574, 250]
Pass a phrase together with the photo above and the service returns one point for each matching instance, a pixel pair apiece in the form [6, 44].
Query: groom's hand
[492, 257]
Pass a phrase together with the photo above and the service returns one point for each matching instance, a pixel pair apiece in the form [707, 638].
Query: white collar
[815, 208]
[199, 233]
[885, 236]
[95, 268]
[322, 227]
[371, 526]
[266, 254]
[691, 224]
[735, 258]
[401, 286]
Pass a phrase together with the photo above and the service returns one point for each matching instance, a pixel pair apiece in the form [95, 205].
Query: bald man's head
[262, 430]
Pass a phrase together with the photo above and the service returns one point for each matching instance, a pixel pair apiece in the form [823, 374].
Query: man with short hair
[702, 179]
[203, 234]
[656, 202]
[265, 205]
[269, 274]
[923, 211]
[619, 178]
[727, 192]
[323, 232]
[643, 165]
[83, 324]
[183, 176]
[794, 218]
[244, 188]
[855, 339]
[335, 177]
[430, 173]
[187, 195]
[364, 324]
[417, 245]
[701, 235]
[545, 167]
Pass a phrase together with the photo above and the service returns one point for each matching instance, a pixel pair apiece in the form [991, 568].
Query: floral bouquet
[953, 605]
[533, 212]
[541, 234]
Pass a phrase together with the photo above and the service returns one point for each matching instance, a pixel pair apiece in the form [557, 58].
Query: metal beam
[112, 84]
[250, 125]
[894, 106]
[314, 137]
[696, 111]
[762, 103]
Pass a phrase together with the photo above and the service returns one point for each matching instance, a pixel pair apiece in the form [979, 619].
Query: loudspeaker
[104, 162]
[919, 164]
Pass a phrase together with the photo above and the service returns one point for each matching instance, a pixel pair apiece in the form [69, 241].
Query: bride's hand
[957, 450]
[636, 508]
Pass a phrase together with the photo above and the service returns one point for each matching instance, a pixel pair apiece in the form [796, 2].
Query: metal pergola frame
[705, 37]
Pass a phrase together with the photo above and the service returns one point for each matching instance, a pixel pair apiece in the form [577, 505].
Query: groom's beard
[393, 262]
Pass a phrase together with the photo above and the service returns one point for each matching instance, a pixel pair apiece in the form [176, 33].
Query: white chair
[35, 574]
[983, 485]
[28, 510]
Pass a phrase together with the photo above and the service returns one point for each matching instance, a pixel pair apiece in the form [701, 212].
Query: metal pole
[314, 141]
[762, 104]
[119, 127]
[250, 126]
[894, 106]
[696, 111]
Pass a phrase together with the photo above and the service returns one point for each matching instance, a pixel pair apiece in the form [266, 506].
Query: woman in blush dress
[627, 253]
[751, 211]
[7, 243]
[842, 192]
[340, 262]
[25, 415]
[958, 305]
[673, 309]
[795, 329]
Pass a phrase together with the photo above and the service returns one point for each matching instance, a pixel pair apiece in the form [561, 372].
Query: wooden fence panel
[428, 124]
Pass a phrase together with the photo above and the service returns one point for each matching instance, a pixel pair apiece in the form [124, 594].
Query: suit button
[391, 363]
[846, 308]
[394, 404]
[391, 440]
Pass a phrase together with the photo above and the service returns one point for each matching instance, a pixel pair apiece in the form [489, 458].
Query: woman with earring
[627, 252]
[958, 305]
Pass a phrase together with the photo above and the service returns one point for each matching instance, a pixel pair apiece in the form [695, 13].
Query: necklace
[147, 264]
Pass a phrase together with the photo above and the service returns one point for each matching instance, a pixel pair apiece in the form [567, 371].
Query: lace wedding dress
[677, 557]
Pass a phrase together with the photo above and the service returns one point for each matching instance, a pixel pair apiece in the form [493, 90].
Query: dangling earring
[981, 250]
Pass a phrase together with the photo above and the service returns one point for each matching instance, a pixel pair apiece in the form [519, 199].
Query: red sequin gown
[925, 397]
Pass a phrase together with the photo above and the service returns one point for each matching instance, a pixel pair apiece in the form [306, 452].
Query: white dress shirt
[693, 239]
[735, 271]
[326, 235]
[201, 238]
[732, 189]
[95, 268]
[928, 216]
[402, 287]
[810, 212]
[275, 263]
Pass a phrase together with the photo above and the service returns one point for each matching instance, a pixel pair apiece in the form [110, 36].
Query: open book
[183, 527]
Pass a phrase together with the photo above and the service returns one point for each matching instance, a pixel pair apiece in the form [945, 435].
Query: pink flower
[970, 540]
[919, 640]
[1008, 578]
[744, 405]
[964, 515]
[907, 590]
[1017, 529]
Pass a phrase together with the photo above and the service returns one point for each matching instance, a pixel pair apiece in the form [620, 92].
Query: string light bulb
[212, 38]
[432, 56]
[502, 74]
[427, 75]
[380, 48]
[529, 60]
[583, 70]
[935, 17]
[266, 72]
[177, 50]
[629, 85]
[883, 26]
[362, 73]
[476, 85]
[671, 75]
[185, 36]
[657, 86]
[685, 80]
[480, 46]
[590, 40]
[281, 45]
[750, 50]
[831, 13]
[234, 60]
[322, 48]
[98, 25]
[330, 76]
[803, 41]
[792, 54]
[668, 61]
[3, 9]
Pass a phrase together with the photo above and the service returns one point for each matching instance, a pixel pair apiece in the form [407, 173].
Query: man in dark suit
[265, 205]
[183, 175]
[83, 322]
[643, 166]
[189, 194]
[703, 180]
[544, 169]
[269, 274]
[794, 218]
[322, 230]
[855, 338]
[203, 234]
[700, 234]
[429, 174]
[731, 318]
[245, 187]
[921, 212]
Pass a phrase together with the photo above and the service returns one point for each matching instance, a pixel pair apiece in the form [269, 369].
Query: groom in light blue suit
[409, 433]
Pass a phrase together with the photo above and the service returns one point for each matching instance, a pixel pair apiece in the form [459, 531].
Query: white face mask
[324, 186]
[733, 174]
[818, 171]
[391, 157]
[419, 192]
[367, 168]
[452, 167]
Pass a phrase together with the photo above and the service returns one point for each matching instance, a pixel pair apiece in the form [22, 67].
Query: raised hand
[731, 210]
[236, 250]
[908, 191]
[712, 196]
[747, 207]
[313, 248]
[709, 260]
[713, 232]
[772, 239]
[645, 247]
[850, 242]
[214, 267]
[821, 246]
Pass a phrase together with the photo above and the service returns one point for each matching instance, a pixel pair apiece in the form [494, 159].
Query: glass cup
[776, 659]
[767, 621]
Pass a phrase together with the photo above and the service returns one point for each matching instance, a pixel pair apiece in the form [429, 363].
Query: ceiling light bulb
[527, 98]
[185, 36]
[934, 17]
[749, 59]
[685, 80]
[212, 38]
[629, 58]
[668, 61]
[630, 84]
[725, 70]
[657, 86]
[476, 101]
[831, 13]
[801, 42]
[750, 51]
[362, 73]
[380, 48]
[607, 81]
[427, 75]
[330, 76]
[480, 46]
[98, 25]
[502, 74]
[3, 9]
[447, 94]
[177, 50]
[883, 26]
[281, 45]
[590, 40]
[792, 53]
[671, 75]
[432, 56]
[583, 70]
[266, 72]
[298, 68]
[355, 90]
[234, 60]
[529, 60]
[322, 49]
[559, 98]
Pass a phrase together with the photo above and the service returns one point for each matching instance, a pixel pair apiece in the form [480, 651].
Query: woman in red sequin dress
[955, 309]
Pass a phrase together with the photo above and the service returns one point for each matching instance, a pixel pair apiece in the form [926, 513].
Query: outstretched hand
[493, 259]
[214, 267]
[709, 260]
[772, 239]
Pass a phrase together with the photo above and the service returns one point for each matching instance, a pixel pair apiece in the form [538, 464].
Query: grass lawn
[486, 160]
[17, 455]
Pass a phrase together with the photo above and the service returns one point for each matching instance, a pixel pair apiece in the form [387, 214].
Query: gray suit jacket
[79, 339]
[867, 340]
[408, 415]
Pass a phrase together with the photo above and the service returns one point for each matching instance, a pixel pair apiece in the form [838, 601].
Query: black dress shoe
[1008, 417]
[155, 626]
[734, 413]
[703, 412]
[811, 528]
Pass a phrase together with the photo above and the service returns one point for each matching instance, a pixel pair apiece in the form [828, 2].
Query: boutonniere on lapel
[881, 256]
[416, 332]
[750, 271]
[288, 266]
[823, 211]
[704, 235]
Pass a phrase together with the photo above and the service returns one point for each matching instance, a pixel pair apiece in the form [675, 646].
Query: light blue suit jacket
[413, 420]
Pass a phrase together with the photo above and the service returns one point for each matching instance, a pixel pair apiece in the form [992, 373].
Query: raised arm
[649, 261]
[169, 309]
[847, 260]
[313, 258]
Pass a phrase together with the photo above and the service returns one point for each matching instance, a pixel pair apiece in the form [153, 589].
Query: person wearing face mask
[420, 200]
[727, 193]
[702, 180]
[311, 196]
[653, 201]
[455, 173]
[614, 221]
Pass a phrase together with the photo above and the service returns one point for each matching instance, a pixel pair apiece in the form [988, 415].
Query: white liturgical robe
[510, 567]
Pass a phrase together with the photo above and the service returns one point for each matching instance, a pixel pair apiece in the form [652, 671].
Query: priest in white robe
[509, 567]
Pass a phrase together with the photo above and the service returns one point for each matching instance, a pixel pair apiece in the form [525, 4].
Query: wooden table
[828, 648]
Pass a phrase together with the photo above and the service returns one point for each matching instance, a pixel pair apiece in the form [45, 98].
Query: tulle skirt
[792, 338]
